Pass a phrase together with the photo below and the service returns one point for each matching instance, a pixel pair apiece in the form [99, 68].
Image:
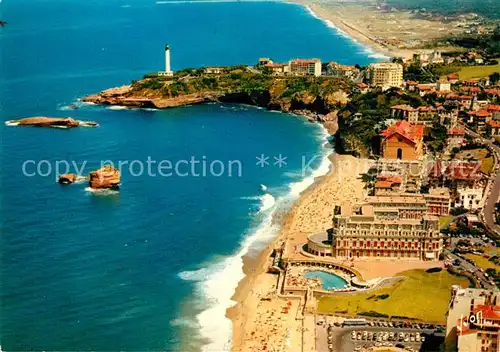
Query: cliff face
[317, 95]
[317, 98]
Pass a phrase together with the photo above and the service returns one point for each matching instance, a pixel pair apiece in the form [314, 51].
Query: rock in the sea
[58, 122]
[105, 177]
[67, 178]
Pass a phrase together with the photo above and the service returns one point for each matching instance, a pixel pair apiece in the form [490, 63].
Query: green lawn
[487, 165]
[470, 72]
[482, 262]
[420, 295]
[444, 221]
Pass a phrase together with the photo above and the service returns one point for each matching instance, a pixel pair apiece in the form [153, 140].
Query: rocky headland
[55, 122]
[316, 98]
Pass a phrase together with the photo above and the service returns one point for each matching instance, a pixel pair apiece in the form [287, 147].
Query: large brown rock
[43, 121]
[330, 121]
[105, 177]
[67, 178]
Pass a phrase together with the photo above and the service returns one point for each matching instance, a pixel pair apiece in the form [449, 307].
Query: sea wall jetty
[55, 122]
[107, 177]
[308, 95]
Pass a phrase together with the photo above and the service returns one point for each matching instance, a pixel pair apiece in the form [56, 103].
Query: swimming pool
[328, 280]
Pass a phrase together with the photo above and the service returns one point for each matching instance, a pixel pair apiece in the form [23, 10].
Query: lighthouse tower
[168, 71]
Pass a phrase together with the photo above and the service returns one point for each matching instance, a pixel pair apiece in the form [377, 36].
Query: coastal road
[494, 193]
[471, 268]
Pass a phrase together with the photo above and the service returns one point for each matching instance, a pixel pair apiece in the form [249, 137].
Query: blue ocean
[154, 266]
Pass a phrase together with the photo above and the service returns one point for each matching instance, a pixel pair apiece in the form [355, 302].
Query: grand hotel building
[381, 227]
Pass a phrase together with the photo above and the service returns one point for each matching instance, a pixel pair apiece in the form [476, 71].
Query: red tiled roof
[493, 91]
[456, 131]
[412, 132]
[392, 179]
[276, 65]
[470, 89]
[383, 184]
[426, 108]
[464, 171]
[424, 87]
[341, 67]
[362, 85]
[480, 113]
[488, 312]
[494, 108]
[384, 181]
[304, 61]
[452, 76]
[403, 107]
[494, 123]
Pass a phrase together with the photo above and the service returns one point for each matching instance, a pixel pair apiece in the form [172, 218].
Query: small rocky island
[311, 96]
[107, 177]
[55, 122]
[67, 179]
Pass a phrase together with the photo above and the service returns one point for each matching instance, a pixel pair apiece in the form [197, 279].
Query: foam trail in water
[101, 191]
[263, 188]
[217, 282]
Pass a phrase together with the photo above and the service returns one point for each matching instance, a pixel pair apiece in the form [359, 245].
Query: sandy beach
[392, 34]
[257, 322]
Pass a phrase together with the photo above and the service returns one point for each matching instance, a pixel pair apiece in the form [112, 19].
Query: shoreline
[371, 47]
[309, 210]
[254, 267]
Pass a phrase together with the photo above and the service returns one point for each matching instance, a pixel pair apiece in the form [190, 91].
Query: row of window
[382, 244]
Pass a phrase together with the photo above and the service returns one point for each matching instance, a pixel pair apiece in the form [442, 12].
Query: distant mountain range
[487, 8]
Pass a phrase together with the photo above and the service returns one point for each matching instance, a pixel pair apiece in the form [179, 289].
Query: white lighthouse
[168, 71]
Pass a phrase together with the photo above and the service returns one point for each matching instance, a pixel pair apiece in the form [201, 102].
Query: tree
[266, 70]
[495, 77]
[397, 60]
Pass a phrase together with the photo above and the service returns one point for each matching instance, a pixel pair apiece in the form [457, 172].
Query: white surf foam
[102, 192]
[267, 201]
[11, 123]
[263, 188]
[184, 322]
[217, 282]
[117, 107]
